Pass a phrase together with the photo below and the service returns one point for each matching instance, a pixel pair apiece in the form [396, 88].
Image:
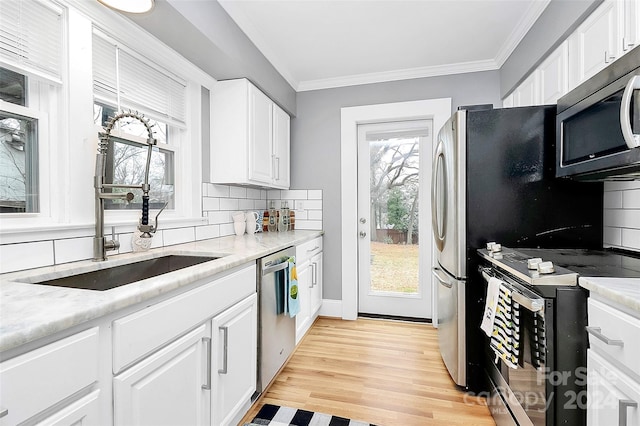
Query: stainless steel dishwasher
[276, 332]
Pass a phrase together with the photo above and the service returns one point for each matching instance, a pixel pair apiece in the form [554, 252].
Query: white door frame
[438, 110]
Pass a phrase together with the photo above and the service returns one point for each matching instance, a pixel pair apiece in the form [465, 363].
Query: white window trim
[72, 210]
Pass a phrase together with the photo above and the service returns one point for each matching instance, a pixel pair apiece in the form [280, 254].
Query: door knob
[363, 234]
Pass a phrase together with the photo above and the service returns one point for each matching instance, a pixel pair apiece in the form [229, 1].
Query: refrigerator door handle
[438, 234]
[441, 278]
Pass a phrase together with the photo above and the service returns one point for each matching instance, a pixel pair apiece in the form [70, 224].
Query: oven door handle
[632, 140]
[530, 303]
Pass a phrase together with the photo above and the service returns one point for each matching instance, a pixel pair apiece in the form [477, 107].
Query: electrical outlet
[299, 205]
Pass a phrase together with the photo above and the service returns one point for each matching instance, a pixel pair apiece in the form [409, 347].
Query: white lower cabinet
[167, 388]
[613, 365]
[234, 360]
[44, 383]
[309, 267]
[83, 412]
[612, 396]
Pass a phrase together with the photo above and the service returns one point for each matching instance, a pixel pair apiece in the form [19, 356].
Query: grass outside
[394, 267]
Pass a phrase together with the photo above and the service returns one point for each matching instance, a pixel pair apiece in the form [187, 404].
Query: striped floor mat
[274, 415]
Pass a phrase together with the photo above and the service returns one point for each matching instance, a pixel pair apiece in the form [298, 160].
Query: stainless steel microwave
[598, 124]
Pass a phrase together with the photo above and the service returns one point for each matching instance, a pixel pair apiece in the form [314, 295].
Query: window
[124, 80]
[31, 58]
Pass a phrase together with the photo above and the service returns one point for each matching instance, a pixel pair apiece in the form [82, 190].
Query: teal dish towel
[293, 296]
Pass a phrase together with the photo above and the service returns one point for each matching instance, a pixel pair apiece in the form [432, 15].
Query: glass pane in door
[394, 204]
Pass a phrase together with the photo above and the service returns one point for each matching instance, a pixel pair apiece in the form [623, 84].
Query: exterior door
[394, 249]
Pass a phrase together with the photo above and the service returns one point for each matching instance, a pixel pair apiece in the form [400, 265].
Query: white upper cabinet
[631, 32]
[528, 93]
[249, 137]
[596, 42]
[554, 75]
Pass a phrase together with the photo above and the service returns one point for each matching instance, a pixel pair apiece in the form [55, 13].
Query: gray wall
[315, 141]
[557, 21]
[205, 34]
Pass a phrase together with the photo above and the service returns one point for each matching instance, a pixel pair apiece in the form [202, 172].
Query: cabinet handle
[626, 45]
[277, 168]
[225, 347]
[314, 277]
[623, 404]
[597, 333]
[207, 342]
[4, 412]
[608, 58]
[313, 249]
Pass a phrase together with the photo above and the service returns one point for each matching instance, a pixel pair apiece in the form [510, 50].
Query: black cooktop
[590, 263]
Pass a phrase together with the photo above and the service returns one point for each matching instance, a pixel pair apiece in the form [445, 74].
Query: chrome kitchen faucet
[100, 244]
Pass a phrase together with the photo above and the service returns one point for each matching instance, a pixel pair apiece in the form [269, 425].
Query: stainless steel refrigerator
[493, 180]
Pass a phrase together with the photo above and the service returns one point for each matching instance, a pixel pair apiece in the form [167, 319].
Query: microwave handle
[632, 140]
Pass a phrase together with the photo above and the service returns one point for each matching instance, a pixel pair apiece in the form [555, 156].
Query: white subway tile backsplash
[273, 194]
[216, 218]
[237, 192]
[209, 204]
[631, 199]
[246, 204]
[613, 200]
[315, 215]
[125, 243]
[621, 185]
[622, 218]
[16, 257]
[301, 214]
[312, 225]
[314, 194]
[206, 232]
[293, 194]
[178, 235]
[228, 204]
[73, 249]
[261, 204]
[313, 204]
[226, 229]
[631, 238]
[612, 236]
[214, 190]
[254, 193]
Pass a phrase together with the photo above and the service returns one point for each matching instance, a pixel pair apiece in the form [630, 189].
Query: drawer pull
[597, 332]
[4, 412]
[207, 342]
[623, 404]
[225, 348]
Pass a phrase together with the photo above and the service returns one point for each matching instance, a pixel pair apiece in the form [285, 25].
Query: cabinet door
[612, 397]
[234, 359]
[260, 136]
[595, 43]
[554, 75]
[281, 146]
[631, 36]
[168, 387]
[528, 93]
[316, 284]
[304, 270]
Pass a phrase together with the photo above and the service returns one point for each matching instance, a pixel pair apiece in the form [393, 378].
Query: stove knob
[546, 268]
[489, 245]
[533, 263]
[495, 248]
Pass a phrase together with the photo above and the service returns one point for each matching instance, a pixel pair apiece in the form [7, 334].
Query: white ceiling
[317, 44]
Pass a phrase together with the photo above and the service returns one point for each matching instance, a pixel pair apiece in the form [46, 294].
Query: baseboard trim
[331, 308]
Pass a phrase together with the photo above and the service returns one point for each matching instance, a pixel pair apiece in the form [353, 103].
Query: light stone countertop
[624, 291]
[32, 311]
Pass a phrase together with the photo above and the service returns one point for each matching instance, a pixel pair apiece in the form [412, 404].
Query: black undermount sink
[117, 276]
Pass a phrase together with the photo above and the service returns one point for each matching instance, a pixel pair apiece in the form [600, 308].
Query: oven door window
[527, 382]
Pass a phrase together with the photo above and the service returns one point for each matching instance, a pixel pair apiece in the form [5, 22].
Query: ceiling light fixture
[129, 6]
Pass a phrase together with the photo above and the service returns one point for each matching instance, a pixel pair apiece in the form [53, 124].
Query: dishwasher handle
[275, 268]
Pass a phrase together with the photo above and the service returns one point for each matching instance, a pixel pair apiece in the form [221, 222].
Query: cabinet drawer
[305, 250]
[39, 379]
[620, 329]
[141, 333]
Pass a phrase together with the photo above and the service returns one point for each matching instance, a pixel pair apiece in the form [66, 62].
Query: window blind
[141, 84]
[31, 37]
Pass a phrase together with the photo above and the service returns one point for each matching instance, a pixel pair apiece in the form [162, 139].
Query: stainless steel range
[536, 358]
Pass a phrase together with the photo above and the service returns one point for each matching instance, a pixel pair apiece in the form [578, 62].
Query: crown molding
[396, 75]
[520, 30]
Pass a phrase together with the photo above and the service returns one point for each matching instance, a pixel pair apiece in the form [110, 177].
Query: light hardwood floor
[384, 372]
